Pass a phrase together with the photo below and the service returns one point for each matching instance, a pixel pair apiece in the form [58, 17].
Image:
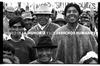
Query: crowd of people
[41, 37]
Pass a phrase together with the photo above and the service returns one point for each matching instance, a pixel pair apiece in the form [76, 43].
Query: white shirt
[42, 27]
[9, 37]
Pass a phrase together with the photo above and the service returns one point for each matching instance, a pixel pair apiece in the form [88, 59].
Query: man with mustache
[44, 25]
[73, 39]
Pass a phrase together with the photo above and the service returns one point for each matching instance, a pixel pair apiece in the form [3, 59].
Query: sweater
[24, 50]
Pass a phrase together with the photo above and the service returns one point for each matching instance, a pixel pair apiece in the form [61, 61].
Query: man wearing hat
[44, 50]
[60, 20]
[10, 12]
[44, 26]
[7, 15]
[85, 19]
[23, 45]
[28, 19]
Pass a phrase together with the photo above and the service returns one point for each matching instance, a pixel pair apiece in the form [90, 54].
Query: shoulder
[84, 28]
[63, 28]
[33, 28]
[29, 40]
[55, 25]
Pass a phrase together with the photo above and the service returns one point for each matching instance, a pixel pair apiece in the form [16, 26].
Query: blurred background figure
[9, 54]
[19, 10]
[54, 15]
[85, 20]
[28, 20]
[90, 58]
[60, 20]
[96, 26]
[8, 13]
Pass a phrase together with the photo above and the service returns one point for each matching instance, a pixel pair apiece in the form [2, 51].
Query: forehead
[72, 8]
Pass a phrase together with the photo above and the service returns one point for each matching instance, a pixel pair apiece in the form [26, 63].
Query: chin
[45, 60]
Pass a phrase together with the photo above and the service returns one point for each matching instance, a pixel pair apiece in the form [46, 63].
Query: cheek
[77, 14]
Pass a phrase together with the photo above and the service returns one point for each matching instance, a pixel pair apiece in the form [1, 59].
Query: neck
[15, 39]
[72, 26]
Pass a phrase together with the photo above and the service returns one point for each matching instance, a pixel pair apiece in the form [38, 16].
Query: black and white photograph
[50, 32]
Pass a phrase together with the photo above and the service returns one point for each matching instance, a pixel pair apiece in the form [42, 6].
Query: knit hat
[16, 20]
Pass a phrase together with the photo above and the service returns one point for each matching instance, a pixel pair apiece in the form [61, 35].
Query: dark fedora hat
[45, 42]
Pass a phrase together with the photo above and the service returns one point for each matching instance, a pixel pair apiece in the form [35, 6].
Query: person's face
[16, 30]
[72, 14]
[44, 55]
[10, 15]
[85, 22]
[28, 23]
[42, 19]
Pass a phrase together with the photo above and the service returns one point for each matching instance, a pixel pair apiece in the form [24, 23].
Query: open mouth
[72, 18]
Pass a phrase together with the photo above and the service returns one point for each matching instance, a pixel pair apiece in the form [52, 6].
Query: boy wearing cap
[44, 26]
[23, 45]
[44, 51]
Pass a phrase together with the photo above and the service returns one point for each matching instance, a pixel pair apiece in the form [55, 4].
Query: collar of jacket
[22, 37]
[41, 27]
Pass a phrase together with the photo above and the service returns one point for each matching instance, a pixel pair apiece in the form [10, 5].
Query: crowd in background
[28, 24]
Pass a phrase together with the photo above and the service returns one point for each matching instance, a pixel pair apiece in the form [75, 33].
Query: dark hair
[16, 20]
[8, 47]
[74, 5]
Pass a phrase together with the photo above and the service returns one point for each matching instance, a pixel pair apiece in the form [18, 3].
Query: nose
[44, 53]
[17, 28]
[71, 12]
